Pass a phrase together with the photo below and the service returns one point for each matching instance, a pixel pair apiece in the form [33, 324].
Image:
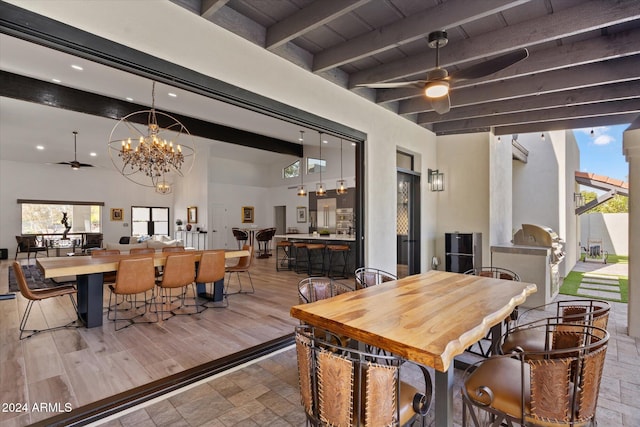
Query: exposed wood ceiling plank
[552, 114]
[562, 124]
[613, 71]
[210, 7]
[625, 43]
[446, 15]
[309, 18]
[585, 17]
[595, 94]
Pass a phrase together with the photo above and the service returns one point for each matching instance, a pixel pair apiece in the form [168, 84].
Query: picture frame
[247, 214]
[117, 214]
[301, 214]
[192, 215]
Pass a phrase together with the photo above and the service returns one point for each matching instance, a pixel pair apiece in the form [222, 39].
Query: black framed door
[408, 223]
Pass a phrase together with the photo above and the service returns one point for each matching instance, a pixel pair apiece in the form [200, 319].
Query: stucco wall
[611, 228]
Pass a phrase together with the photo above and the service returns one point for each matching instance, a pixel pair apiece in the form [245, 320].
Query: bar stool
[283, 256]
[317, 249]
[300, 257]
[334, 256]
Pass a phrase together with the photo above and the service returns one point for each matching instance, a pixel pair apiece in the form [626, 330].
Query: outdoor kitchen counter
[520, 249]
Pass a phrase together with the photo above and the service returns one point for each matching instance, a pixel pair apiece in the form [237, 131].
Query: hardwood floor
[75, 367]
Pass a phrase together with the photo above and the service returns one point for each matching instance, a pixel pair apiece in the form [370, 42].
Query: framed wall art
[117, 214]
[192, 215]
[301, 214]
[247, 214]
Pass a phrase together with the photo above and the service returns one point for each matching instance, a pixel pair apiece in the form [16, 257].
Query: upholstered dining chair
[345, 386]
[211, 269]
[178, 273]
[557, 386]
[241, 236]
[173, 249]
[109, 276]
[142, 251]
[368, 276]
[37, 295]
[242, 266]
[135, 276]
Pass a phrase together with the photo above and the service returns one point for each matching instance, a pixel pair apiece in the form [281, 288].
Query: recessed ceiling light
[353, 144]
[40, 147]
[128, 98]
[92, 154]
[173, 95]
[56, 81]
[77, 67]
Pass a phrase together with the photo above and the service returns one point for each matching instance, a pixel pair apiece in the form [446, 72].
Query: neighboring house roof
[602, 182]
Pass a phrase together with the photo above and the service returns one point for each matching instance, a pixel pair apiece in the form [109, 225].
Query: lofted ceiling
[583, 68]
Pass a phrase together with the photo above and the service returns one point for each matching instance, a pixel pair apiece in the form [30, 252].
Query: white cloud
[603, 140]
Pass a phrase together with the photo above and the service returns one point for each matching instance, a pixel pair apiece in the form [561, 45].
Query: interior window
[292, 170]
[46, 217]
[149, 221]
[314, 165]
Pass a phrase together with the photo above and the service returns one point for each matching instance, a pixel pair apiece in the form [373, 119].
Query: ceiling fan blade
[491, 66]
[441, 105]
[85, 165]
[62, 163]
[416, 83]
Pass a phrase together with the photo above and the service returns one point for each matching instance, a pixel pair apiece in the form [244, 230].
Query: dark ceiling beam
[563, 124]
[627, 106]
[591, 95]
[307, 19]
[446, 15]
[208, 8]
[603, 48]
[53, 95]
[585, 17]
[608, 72]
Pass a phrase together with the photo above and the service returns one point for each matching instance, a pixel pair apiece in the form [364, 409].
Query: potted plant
[179, 224]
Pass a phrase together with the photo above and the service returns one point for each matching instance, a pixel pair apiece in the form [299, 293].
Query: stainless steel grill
[540, 235]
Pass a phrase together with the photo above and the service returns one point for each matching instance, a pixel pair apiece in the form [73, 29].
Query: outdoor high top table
[89, 277]
[428, 318]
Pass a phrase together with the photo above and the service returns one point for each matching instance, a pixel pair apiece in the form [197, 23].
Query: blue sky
[601, 153]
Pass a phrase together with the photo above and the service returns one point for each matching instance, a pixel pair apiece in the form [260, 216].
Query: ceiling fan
[75, 164]
[436, 85]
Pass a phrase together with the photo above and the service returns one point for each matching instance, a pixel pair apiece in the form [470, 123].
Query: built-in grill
[535, 254]
[539, 235]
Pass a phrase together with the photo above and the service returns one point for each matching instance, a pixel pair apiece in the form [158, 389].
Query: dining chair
[142, 251]
[485, 346]
[37, 295]
[108, 276]
[135, 276]
[345, 386]
[211, 269]
[241, 236]
[528, 337]
[30, 245]
[178, 273]
[556, 386]
[368, 276]
[242, 266]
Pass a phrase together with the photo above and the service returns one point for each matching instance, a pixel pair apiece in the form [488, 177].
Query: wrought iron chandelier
[147, 145]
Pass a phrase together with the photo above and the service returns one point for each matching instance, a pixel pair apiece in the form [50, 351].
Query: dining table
[89, 272]
[429, 318]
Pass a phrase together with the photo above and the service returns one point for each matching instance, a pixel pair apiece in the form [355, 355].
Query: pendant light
[320, 188]
[301, 190]
[341, 184]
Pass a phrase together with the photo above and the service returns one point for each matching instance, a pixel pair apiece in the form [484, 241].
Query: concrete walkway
[599, 279]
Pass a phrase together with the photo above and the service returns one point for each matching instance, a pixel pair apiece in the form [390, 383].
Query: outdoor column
[631, 150]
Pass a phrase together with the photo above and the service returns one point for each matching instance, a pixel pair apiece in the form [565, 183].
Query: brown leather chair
[30, 245]
[211, 269]
[367, 276]
[179, 273]
[173, 249]
[241, 236]
[109, 276]
[135, 276]
[345, 386]
[243, 265]
[37, 295]
[557, 386]
[142, 251]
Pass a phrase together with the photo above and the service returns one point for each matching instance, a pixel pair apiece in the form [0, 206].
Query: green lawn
[572, 282]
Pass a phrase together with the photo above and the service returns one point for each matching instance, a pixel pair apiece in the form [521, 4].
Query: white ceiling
[24, 125]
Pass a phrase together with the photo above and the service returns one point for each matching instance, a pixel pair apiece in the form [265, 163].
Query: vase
[188, 227]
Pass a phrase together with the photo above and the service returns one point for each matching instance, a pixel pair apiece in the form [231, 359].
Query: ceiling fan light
[436, 89]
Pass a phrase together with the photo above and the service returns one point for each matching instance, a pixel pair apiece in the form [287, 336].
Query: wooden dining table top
[74, 265]
[429, 318]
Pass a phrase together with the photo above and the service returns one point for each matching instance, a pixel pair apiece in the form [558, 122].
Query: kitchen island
[327, 239]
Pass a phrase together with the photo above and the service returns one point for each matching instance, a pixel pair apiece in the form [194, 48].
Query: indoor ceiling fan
[75, 164]
[436, 85]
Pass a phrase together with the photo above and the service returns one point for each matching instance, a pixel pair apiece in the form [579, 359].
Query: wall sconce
[436, 180]
[578, 198]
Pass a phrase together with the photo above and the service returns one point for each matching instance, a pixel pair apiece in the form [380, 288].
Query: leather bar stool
[335, 253]
[300, 257]
[315, 254]
[283, 255]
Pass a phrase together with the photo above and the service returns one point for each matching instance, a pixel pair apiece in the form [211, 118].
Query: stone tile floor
[265, 392]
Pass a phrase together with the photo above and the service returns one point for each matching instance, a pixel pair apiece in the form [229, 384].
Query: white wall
[500, 183]
[611, 228]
